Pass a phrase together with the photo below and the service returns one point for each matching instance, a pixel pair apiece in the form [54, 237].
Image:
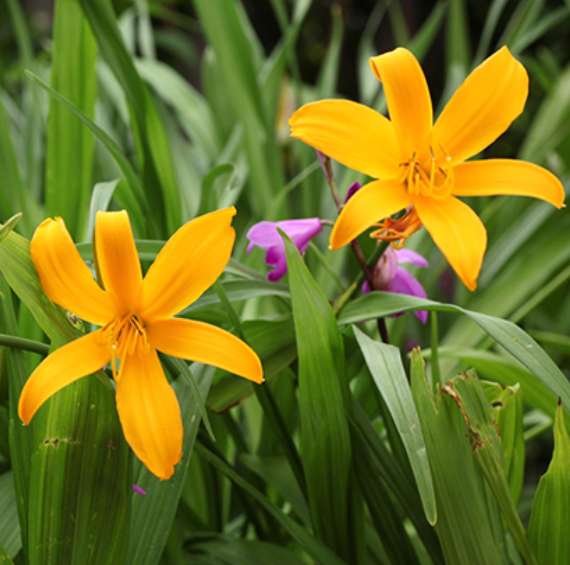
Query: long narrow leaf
[323, 397]
[69, 157]
[385, 365]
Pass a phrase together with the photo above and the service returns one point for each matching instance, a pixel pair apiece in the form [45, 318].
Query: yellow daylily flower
[420, 166]
[136, 319]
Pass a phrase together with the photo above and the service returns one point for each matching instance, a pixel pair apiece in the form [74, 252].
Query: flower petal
[481, 109]
[150, 414]
[405, 283]
[117, 258]
[408, 98]
[372, 203]
[350, 133]
[409, 256]
[197, 341]
[190, 262]
[64, 276]
[265, 234]
[459, 234]
[64, 366]
[507, 176]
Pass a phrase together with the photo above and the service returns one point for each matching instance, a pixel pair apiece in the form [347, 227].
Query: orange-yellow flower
[136, 319]
[420, 166]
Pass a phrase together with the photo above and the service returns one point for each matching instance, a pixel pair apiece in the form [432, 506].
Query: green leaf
[153, 513]
[9, 524]
[274, 342]
[100, 199]
[193, 112]
[16, 265]
[328, 75]
[69, 156]
[458, 47]
[243, 552]
[225, 31]
[388, 471]
[4, 557]
[240, 290]
[550, 125]
[79, 480]
[14, 198]
[507, 372]
[517, 342]
[550, 517]
[323, 400]
[387, 370]
[467, 393]
[275, 471]
[314, 547]
[157, 166]
[461, 497]
[20, 437]
[131, 194]
[383, 512]
[507, 403]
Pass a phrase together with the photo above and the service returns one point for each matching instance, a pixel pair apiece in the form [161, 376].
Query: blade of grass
[69, 157]
[387, 370]
[323, 403]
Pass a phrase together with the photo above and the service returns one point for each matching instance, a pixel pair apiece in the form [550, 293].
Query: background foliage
[354, 451]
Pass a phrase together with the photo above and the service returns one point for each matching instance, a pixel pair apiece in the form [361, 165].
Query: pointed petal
[507, 176]
[118, 258]
[350, 133]
[150, 414]
[64, 276]
[372, 203]
[197, 341]
[459, 234]
[190, 262]
[64, 366]
[408, 98]
[482, 108]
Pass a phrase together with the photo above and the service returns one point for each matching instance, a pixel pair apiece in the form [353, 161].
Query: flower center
[125, 336]
[427, 179]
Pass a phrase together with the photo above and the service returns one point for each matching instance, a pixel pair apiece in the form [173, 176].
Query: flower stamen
[125, 336]
[397, 231]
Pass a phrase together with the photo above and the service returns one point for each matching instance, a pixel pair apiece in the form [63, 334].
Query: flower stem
[367, 267]
[435, 370]
[25, 344]
[327, 163]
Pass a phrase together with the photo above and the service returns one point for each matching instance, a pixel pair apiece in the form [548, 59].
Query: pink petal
[409, 256]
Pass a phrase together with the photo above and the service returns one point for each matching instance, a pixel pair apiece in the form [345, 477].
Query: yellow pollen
[125, 336]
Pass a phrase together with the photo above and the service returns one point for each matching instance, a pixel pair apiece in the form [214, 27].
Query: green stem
[435, 370]
[25, 344]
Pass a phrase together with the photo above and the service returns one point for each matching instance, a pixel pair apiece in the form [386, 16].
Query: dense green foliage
[426, 450]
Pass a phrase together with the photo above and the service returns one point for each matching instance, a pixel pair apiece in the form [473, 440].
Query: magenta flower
[390, 277]
[352, 190]
[266, 236]
[138, 489]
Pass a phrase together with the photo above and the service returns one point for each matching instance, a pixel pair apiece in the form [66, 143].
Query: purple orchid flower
[265, 236]
[390, 277]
